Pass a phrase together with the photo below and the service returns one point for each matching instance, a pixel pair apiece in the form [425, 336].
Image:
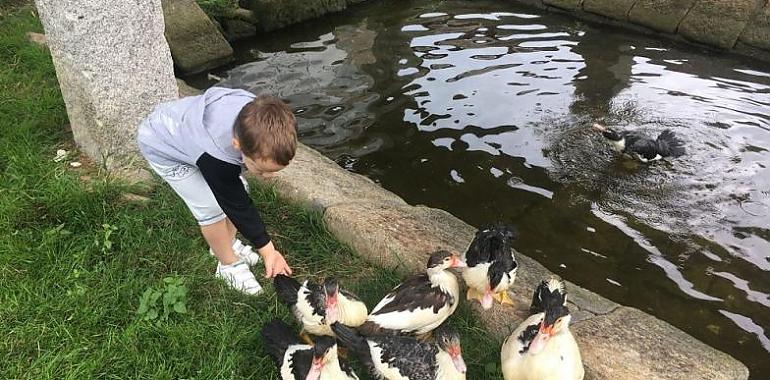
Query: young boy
[199, 145]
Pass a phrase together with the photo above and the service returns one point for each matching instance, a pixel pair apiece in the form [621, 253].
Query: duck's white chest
[619, 145]
[560, 360]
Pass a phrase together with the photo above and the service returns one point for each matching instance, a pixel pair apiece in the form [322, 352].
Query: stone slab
[113, 67]
[571, 5]
[277, 14]
[614, 9]
[717, 22]
[185, 89]
[398, 236]
[757, 32]
[630, 344]
[236, 29]
[660, 15]
[319, 183]
[196, 43]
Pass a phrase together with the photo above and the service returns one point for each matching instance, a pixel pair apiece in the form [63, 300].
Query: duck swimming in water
[419, 304]
[542, 347]
[316, 307]
[405, 357]
[297, 361]
[491, 266]
[637, 145]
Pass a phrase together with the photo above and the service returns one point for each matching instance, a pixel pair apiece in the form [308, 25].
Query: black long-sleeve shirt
[224, 180]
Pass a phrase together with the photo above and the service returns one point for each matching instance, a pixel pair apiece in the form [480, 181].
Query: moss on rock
[276, 14]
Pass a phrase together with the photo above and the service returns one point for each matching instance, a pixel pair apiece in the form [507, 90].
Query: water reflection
[481, 108]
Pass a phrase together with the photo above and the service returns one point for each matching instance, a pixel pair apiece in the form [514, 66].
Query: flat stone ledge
[397, 235]
[757, 32]
[740, 26]
[195, 42]
[565, 4]
[630, 344]
[717, 22]
[660, 15]
[615, 9]
[319, 183]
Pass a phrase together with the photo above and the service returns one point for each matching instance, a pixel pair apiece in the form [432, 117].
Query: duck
[542, 347]
[406, 357]
[297, 361]
[420, 303]
[640, 146]
[492, 266]
[316, 307]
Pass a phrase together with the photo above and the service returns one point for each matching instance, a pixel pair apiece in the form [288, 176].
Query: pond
[482, 108]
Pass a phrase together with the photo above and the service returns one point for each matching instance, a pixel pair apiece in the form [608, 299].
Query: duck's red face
[449, 341]
[331, 291]
[455, 352]
[315, 370]
[457, 262]
[324, 352]
[546, 332]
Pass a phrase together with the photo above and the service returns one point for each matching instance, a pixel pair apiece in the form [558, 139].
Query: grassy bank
[76, 258]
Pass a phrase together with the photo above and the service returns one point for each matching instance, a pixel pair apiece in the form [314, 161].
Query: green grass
[69, 292]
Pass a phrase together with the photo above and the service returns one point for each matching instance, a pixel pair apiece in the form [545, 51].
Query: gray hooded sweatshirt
[198, 131]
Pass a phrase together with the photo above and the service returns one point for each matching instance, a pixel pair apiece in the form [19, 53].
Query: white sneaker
[238, 276]
[243, 252]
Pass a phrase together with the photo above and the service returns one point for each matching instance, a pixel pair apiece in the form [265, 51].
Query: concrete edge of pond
[616, 342]
[738, 26]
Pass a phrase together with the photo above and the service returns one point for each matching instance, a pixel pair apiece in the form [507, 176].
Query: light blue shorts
[188, 182]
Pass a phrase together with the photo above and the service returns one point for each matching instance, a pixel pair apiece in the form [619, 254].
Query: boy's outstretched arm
[223, 179]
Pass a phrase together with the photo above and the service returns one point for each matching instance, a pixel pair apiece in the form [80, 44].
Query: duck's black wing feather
[493, 244]
[416, 293]
[640, 144]
[301, 361]
[669, 145]
[356, 343]
[415, 360]
[276, 338]
[316, 298]
[286, 288]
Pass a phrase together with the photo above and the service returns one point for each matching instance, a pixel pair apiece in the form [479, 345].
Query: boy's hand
[274, 262]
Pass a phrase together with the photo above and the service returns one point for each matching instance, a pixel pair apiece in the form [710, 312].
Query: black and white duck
[640, 146]
[419, 304]
[405, 357]
[542, 347]
[316, 307]
[298, 361]
[491, 266]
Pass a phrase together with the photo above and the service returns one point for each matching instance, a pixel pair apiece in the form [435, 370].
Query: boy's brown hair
[266, 128]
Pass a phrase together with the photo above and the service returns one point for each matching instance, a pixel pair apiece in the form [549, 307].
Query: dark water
[481, 108]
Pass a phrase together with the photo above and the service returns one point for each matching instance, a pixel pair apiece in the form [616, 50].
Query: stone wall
[113, 67]
[741, 26]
